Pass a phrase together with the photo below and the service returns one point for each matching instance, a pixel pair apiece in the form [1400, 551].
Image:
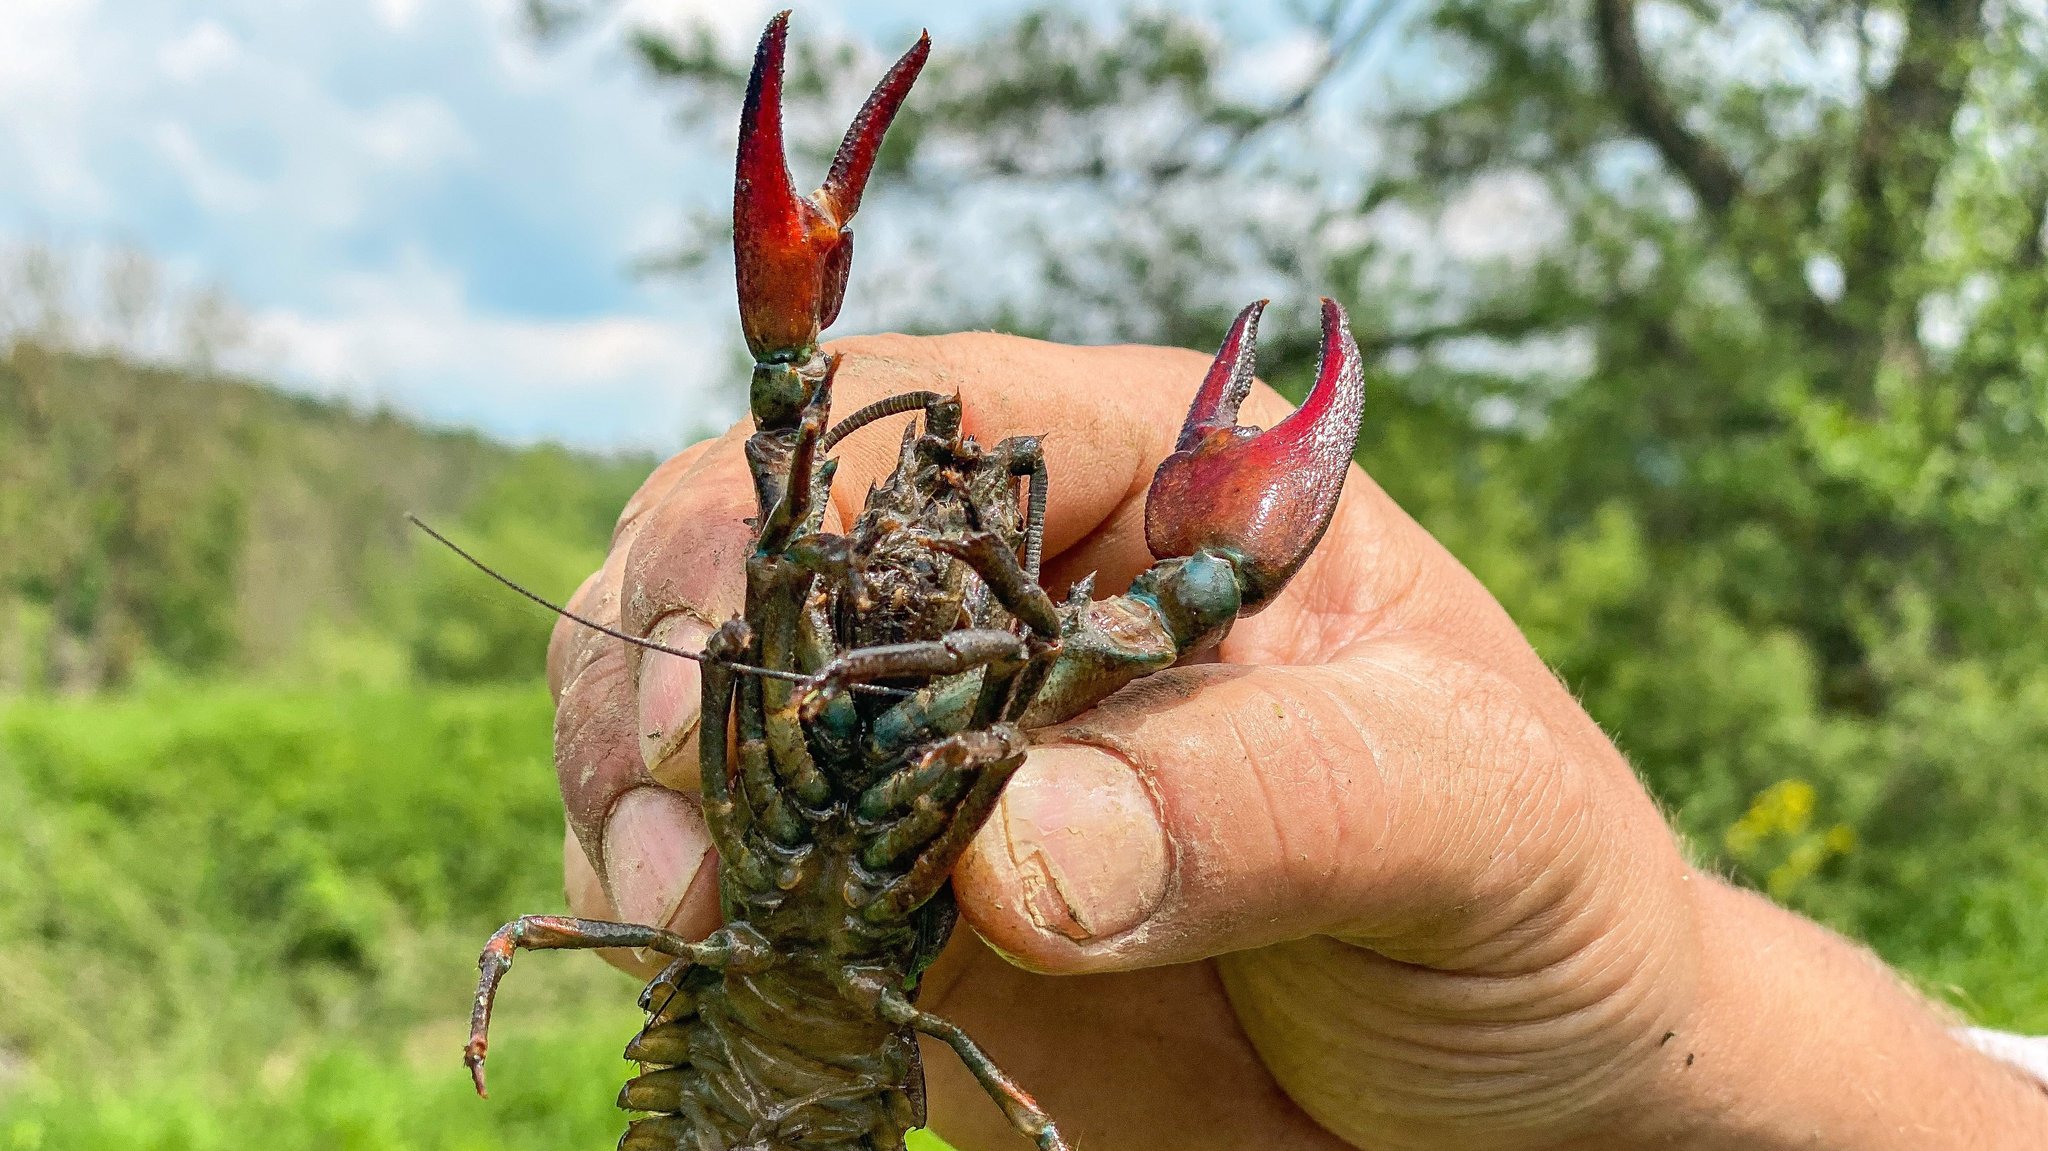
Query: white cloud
[413, 132]
[411, 338]
[1508, 215]
[285, 149]
[40, 42]
[734, 22]
[397, 15]
[43, 67]
[207, 48]
[213, 184]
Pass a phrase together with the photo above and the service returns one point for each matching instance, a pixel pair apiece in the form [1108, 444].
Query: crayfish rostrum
[863, 715]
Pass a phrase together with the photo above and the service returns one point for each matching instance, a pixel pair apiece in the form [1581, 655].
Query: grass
[248, 917]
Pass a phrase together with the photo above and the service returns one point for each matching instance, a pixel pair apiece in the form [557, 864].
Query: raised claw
[792, 252]
[1259, 499]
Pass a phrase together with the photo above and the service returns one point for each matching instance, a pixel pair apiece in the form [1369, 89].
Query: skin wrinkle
[1277, 826]
[1340, 596]
[659, 485]
[597, 599]
[1558, 883]
[593, 768]
[687, 553]
[562, 650]
[1333, 815]
[680, 611]
[1340, 800]
[1457, 1097]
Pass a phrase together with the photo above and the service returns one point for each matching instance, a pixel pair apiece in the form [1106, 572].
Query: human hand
[1372, 879]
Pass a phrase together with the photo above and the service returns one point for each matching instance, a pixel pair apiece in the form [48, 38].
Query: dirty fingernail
[670, 699]
[1086, 840]
[653, 848]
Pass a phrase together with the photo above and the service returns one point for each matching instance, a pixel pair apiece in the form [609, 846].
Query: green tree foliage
[1710, 335]
[164, 515]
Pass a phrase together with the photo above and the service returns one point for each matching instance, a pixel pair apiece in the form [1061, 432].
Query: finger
[587, 899]
[1405, 796]
[683, 573]
[647, 844]
[694, 917]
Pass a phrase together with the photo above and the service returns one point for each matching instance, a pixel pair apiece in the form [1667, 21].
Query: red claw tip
[1263, 498]
[1228, 381]
[792, 252]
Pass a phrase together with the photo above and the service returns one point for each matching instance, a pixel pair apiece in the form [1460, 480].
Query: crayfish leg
[1018, 1106]
[561, 932]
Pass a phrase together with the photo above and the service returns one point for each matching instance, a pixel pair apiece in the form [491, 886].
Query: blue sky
[412, 204]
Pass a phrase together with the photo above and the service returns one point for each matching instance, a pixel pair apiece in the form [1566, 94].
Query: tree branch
[1903, 147]
[1705, 169]
[2030, 253]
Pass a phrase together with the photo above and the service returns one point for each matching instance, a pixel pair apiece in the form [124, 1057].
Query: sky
[412, 203]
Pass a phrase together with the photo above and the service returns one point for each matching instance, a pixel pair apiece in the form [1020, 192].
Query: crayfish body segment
[876, 689]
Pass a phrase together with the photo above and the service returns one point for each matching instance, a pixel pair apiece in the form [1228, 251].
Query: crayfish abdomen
[771, 1059]
[862, 715]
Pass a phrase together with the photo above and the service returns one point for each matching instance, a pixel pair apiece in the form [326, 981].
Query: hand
[1372, 879]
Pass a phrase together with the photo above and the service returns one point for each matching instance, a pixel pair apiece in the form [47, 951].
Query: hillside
[158, 518]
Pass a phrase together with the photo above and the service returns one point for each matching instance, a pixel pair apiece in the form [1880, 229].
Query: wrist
[1799, 1038]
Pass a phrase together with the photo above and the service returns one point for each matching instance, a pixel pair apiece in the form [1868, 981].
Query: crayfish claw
[1227, 382]
[1262, 499]
[792, 253]
[855, 161]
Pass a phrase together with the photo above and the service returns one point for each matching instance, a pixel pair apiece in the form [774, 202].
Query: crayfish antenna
[792, 253]
[1261, 498]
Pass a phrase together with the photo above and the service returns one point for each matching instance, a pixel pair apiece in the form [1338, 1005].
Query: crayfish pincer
[865, 711]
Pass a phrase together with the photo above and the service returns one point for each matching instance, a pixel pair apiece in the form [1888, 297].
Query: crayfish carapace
[877, 689]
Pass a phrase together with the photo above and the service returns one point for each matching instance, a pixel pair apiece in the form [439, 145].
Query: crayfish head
[793, 252]
[1260, 499]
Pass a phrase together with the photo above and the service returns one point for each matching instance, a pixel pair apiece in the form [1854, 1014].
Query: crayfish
[861, 717]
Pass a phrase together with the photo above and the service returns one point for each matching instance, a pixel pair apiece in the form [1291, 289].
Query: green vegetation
[248, 917]
[164, 518]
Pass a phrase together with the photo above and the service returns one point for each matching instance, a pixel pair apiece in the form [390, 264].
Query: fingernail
[1085, 837]
[671, 697]
[653, 848]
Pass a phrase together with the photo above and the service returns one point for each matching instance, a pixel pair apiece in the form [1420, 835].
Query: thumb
[1400, 797]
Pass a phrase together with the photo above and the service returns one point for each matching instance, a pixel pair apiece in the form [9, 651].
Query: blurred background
[1710, 335]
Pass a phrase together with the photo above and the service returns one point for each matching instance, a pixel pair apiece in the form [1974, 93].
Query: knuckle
[686, 553]
[597, 746]
[565, 656]
[663, 480]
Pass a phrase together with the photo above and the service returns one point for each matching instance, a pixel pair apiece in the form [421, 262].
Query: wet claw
[1260, 499]
[793, 252]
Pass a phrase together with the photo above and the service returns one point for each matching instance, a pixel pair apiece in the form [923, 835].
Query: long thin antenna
[883, 408]
[636, 641]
